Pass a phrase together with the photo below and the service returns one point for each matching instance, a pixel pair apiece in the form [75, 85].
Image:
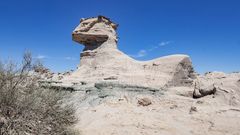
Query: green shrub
[26, 108]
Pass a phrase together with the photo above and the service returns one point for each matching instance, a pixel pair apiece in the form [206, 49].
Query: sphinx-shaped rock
[102, 61]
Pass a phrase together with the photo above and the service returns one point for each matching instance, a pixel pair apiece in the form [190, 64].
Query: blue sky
[206, 30]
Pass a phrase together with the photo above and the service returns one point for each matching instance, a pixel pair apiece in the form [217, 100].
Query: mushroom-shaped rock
[101, 59]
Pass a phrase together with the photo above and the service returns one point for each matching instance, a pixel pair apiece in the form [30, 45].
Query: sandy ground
[173, 113]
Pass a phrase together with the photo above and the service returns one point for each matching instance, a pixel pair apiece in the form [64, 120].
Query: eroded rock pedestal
[102, 61]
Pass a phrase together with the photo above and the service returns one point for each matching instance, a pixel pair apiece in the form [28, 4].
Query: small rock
[66, 74]
[199, 102]
[144, 102]
[88, 91]
[120, 99]
[111, 78]
[74, 83]
[173, 107]
[83, 83]
[193, 109]
[60, 77]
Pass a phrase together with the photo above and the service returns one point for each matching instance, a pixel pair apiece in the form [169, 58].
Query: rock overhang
[92, 31]
[89, 39]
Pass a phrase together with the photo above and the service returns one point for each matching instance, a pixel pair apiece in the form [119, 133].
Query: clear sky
[206, 30]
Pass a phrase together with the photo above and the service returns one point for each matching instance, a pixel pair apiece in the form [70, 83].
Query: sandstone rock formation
[102, 61]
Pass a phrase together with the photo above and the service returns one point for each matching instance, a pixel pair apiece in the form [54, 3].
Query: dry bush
[26, 108]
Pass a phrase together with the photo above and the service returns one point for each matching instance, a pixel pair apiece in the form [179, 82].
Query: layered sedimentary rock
[115, 94]
[102, 61]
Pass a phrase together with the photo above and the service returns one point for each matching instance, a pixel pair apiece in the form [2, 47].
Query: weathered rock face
[93, 32]
[101, 60]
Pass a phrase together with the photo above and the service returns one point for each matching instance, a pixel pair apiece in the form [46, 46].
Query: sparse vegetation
[26, 108]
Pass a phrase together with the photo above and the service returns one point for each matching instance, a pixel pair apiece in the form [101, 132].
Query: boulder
[201, 90]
